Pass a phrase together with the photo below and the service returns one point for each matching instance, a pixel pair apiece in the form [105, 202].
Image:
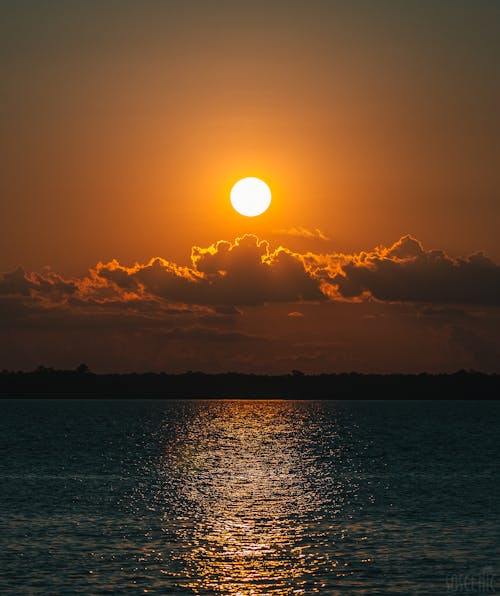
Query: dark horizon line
[82, 383]
[83, 369]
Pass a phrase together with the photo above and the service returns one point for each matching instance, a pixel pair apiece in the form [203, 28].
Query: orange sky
[125, 125]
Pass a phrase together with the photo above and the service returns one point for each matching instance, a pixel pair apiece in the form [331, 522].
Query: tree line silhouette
[83, 383]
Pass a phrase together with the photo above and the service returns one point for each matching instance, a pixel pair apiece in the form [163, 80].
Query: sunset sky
[124, 126]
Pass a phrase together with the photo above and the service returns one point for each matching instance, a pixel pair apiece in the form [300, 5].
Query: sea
[249, 497]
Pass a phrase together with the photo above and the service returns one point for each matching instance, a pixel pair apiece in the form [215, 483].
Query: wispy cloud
[314, 233]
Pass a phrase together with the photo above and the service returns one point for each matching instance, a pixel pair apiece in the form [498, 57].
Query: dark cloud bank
[247, 272]
[197, 307]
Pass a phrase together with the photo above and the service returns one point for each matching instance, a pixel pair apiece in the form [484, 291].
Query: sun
[250, 196]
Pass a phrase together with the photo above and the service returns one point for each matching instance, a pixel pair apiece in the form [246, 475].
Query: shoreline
[61, 384]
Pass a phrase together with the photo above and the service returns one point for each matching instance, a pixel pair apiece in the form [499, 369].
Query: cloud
[21, 283]
[301, 232]
[406, 272]
[399, 307]
[248, 272]
[244, 272]
[226, 276]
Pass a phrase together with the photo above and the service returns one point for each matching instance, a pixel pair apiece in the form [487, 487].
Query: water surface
[248, 497]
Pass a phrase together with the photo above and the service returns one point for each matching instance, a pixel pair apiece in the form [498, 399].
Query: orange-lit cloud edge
[246, 272]
[245, 306]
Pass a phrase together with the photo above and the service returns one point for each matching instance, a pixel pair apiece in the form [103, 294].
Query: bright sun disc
[250, 196]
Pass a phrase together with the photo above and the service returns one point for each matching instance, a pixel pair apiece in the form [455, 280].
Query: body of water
[249, 498]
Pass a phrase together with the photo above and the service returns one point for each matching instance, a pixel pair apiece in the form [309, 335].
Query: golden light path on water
[183, 497]
[251, 521]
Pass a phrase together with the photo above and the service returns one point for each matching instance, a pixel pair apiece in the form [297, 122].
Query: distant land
[82, 383]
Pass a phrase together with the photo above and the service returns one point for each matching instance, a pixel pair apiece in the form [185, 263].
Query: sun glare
[250, 196]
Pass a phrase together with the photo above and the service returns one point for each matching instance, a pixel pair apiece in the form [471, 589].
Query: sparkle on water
[248, 488]
[247, 498]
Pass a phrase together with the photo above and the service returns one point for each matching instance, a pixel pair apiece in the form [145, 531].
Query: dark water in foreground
[249, 497]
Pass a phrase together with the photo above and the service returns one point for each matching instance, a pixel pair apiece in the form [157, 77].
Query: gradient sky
[125, 124]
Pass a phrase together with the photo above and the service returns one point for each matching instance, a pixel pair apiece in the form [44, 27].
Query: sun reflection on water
[249, 505]
[182, 497]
